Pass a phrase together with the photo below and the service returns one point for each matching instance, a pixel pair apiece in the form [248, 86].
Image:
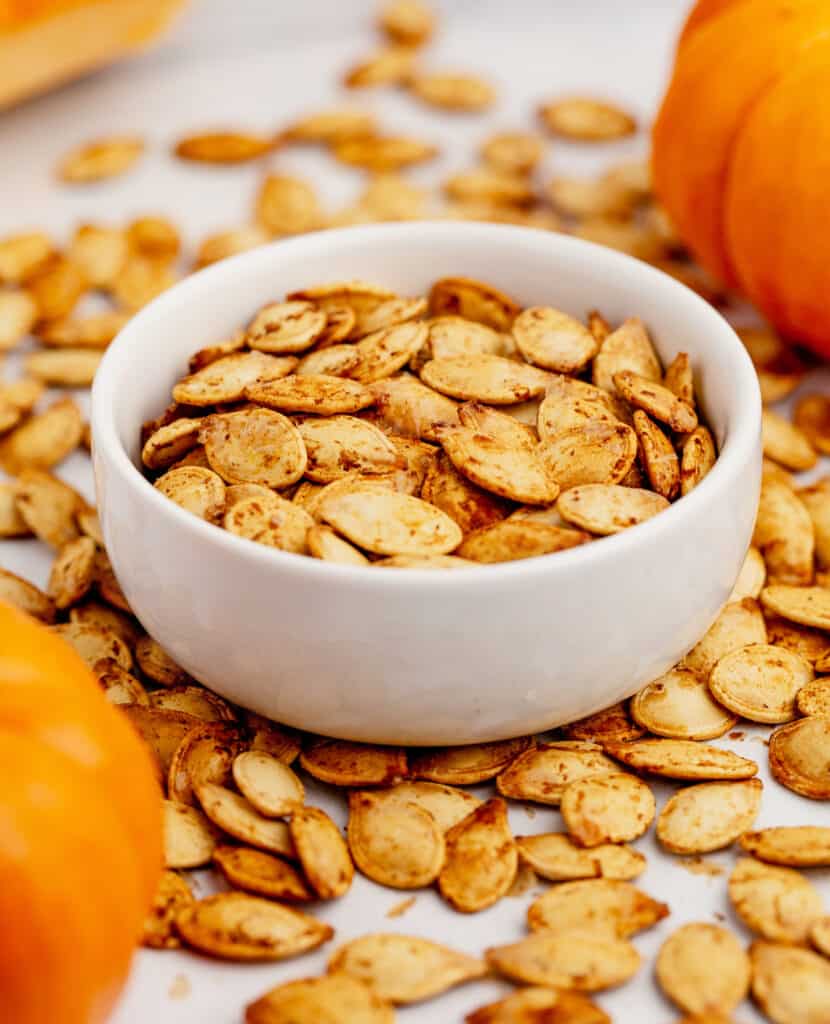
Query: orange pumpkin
[739, 158]
[80, 833]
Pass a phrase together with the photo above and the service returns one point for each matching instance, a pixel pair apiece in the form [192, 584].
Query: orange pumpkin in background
[80, 833]
[741, 155]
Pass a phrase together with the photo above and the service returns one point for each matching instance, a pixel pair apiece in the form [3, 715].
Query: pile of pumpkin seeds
[235, 784]
[339, 423]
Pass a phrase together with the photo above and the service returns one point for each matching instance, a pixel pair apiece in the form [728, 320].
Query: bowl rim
[740, 446]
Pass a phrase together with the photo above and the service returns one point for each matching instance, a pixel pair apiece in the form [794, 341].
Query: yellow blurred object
[46, 42]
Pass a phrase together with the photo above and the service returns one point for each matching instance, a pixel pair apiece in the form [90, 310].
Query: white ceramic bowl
[426, 657]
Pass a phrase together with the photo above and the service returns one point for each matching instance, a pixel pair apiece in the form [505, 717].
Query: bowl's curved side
[415, 657]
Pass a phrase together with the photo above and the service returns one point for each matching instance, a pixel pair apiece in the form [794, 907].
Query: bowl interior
[534, 267]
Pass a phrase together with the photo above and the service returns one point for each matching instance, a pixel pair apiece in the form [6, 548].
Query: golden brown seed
[447, 805]
[391, 66]
[387, 523]
[332, 997]
[553, 340]
[398, 845]
[751, 579]
[659, 457]
[154, 237]
[473, 300]
[64, 368]
[171, 442]
[267, 784]
[196, 490]
[597, 905]
[18, 314]
[48, 506]
[225, 380]
[222, 147]
[613, 724]
[799, 757]
[791, 986]
[404, 969]
[322, 852]
[777, 903]
[467, 766]
[703, 969]
[629, 347]
[94, 642]
[162, 731]
[804, 846]
[514, 539]
[570, 402]
[44, 440]
[481, 859]
[26, 596]
[681, 759]
[656, 400]
[285, 327]
[274, 521]
[23, 255]
[607, 809]
[533, 1003]
[236, 816]
[157, 664]
[556, 857]
[697, 459]
[678, 705]
[586, 961]
[516, 474]
[808, 606]
[189, 838]
[172, 896]
[679, 380]
[103, 158]
[262, 874]
[140, 281]
[470, 506]
[586, 120]
[708, 816]
[784, 443]
[820, 935]
[816, 499]
[325, 544]
[814, 697]
[514, 152]
[119, 686]
[235, 926]
[341, 763]
[73, 572]
[595, 453]
[542, 773]
[100, 253]
[328, 126]
[485, 378]
[606, 509]
[453, 91]
[812, 419]
[382, 353]
[489, 185]
[634, 238]
[738, 625]
[340, 445]
[760, 682]
[411, 409]
[383, 153]
[205, 754]
[223, 244]
[784, 533]
[254, 446]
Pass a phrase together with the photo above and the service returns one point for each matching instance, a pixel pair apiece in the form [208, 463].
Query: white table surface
[258, 63]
